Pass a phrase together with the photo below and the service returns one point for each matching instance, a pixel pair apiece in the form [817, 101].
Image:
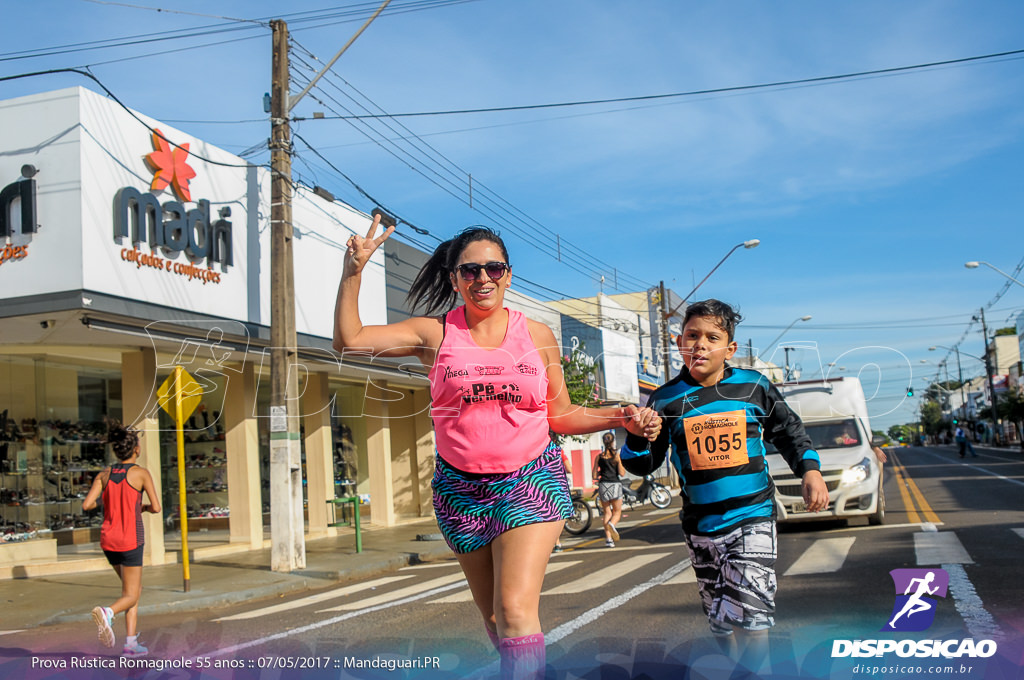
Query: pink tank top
[489, 407]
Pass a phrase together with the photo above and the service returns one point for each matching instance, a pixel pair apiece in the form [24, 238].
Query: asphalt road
[633, 610]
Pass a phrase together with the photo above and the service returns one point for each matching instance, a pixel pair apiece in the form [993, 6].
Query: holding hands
[360, 248]
[643, 422]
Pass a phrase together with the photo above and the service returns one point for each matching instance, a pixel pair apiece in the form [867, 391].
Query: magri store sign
[170, 228]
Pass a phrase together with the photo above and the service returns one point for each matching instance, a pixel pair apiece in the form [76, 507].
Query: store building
[123, 256]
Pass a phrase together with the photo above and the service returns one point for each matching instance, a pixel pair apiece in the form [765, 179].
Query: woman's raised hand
[360, 248]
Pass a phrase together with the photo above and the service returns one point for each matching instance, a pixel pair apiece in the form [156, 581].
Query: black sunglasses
[471, 271]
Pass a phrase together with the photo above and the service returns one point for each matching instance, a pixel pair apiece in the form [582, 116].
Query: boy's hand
[644, 422]
[814, 491]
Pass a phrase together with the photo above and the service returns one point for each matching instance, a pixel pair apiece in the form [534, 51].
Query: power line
[117, 101]
[454, 181]
[694, 93]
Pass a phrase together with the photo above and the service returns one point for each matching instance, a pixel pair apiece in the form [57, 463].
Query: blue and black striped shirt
[717, 435]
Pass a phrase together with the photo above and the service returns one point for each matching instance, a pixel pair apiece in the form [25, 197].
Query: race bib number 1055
[716, 441]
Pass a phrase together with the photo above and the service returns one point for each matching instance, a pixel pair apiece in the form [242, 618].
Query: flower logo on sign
[169, 166]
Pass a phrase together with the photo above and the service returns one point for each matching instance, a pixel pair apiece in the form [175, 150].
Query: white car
[835, 416]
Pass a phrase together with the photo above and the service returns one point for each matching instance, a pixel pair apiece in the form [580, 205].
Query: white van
[835, 415]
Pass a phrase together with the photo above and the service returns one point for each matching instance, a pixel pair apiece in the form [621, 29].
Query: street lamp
[666, 350]
[779, 337]
[974, 265]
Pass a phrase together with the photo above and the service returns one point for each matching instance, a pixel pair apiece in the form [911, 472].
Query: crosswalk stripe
[397, 594]
[1019, 532]
[826, 555]
[602, 577]
[683, 577]
[314, 599]
[940, 547]
[467, 596]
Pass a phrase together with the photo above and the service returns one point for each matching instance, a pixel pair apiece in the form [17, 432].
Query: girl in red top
[500, 494]
[121, 486]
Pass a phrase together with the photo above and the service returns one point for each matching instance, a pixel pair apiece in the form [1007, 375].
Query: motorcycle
[649, 490]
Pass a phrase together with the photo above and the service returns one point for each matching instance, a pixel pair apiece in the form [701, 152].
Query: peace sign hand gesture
[360, 248]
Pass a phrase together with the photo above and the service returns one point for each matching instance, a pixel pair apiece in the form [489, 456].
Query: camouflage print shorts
[736, 576]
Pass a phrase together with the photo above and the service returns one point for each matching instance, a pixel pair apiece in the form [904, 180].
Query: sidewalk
[224, 578]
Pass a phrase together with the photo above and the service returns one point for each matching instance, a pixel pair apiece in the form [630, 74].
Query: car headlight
[856, 474]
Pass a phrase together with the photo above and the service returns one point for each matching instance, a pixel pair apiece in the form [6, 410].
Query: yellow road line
[901, 484]
[908, 489]
[601, 540]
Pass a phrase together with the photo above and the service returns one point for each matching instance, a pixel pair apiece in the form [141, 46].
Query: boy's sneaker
[613, 531]
[134, 649]
[609, 544]
[103, 617]
[557, 549]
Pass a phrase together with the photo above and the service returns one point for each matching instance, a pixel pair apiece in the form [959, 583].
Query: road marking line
[682, 578]
[234, 649]
[11, 632]
[940, 547]
[467, 595]
[979, 621]
[602, 577]
[1019, 532]
[824, 556]
[926, 509]
[994, 474]
[908, 503]
[313, 599]
[400, 593]
[591, 615]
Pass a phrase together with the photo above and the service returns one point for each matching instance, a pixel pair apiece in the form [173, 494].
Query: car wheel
[878, 516]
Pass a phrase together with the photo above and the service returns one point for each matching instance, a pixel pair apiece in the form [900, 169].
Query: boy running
[716, 417]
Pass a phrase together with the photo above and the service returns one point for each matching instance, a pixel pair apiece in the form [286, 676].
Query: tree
[580, 372]
[931, 417]
[1011, 407]
[903, 433]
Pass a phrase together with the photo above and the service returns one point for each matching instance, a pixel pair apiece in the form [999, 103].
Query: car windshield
[831, 435]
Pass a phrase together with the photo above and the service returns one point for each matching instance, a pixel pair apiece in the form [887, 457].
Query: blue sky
[868, 195]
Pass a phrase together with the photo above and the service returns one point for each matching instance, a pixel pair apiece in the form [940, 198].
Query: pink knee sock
[522, 658]
[494, 638]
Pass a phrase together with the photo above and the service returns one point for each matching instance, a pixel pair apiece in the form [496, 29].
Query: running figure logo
[913, 609]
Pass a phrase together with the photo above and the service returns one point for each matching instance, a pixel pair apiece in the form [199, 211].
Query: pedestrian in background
[496, 385]
[964, 443]
[121, 536]
[607, 474]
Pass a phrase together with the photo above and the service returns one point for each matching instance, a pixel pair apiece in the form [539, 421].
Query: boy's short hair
[727, 317]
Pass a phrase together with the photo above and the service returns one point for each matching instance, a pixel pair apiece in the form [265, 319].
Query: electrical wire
[452, 182]
[717, 90]
[116, 100]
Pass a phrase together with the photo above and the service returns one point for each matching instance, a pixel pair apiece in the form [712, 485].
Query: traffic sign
[190, 392]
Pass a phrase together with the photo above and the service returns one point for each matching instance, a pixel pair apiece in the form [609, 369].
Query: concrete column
[378, 449]
[316, 420]
[138, 396]
[424, 451]
[241, 440]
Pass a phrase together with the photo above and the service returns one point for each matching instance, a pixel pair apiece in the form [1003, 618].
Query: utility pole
[288, 543]
[991, 387]
[666, 350]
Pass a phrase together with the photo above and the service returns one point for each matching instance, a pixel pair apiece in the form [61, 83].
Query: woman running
[121, 537]
[500, 493]
[608, 473]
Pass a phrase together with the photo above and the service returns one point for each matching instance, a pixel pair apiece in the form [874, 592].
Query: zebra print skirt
[474, 509]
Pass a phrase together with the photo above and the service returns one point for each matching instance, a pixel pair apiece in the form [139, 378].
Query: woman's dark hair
[432, 290]
[123, 440]
[725, 316]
